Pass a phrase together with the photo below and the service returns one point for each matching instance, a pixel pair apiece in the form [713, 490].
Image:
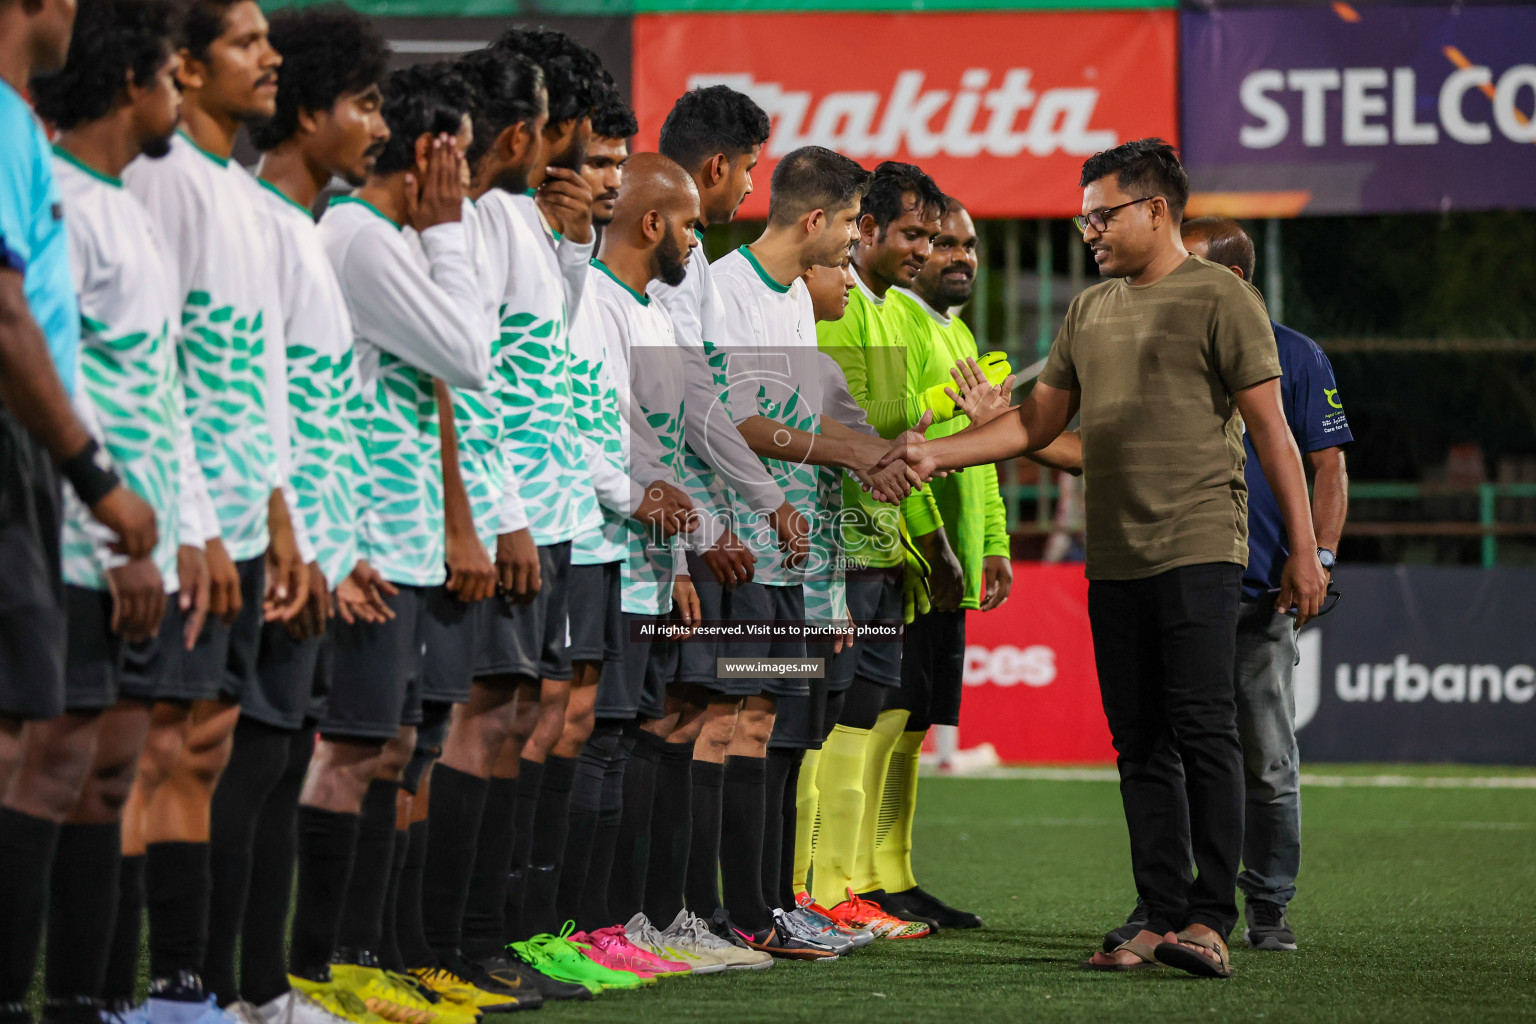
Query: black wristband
[89, 471]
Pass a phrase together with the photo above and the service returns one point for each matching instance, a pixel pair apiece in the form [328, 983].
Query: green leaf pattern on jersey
[477, 417]
[646, 583]
[131, 381]
[326, 464]
[402, 504]
[796, 480]
[225, 381]
[699, 480]
[543, 450]
[595, 401]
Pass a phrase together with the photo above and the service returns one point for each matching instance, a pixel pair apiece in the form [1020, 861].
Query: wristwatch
[1327, 558]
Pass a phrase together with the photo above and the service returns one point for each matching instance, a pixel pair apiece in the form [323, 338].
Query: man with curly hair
[114, 99]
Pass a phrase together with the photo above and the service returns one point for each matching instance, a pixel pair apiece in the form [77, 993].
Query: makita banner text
[1001, 109]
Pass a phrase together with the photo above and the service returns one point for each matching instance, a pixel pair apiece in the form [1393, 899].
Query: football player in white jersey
[208, 208]
[114, 99]
[328, 124]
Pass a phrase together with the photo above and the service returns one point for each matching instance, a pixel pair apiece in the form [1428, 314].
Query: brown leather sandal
[1191, 961]
[1147, 955]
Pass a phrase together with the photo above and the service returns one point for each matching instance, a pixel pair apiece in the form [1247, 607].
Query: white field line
[1307, 778]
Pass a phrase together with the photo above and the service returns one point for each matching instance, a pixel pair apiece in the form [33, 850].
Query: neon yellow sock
[840, 784]
[807, 795]
[898, 806]
[887, 730]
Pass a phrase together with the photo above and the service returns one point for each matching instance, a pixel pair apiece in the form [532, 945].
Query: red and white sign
[1031, 688]
[1001, 109]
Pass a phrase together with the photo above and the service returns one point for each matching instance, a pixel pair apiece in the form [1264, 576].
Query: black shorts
[223, 662]
[596, 629]
[621, 684]
[661, 671]
[155, 669]
[376, 675]
[529, 640]
[454, 634]
[286, 670]
[760, 602]
[93, 663]
[932, 667]
[801, 719]
[697, 657]
[874, 598]
[32, 619]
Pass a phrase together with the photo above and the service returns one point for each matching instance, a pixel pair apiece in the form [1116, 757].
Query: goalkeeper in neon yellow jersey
[961, 388]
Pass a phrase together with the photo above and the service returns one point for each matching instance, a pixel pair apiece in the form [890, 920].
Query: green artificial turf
[1414, 905]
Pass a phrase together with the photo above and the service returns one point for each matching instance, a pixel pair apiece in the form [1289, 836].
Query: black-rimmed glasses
[1099, 219]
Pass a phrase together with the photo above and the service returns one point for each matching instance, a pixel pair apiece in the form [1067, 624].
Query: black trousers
[1166, 649]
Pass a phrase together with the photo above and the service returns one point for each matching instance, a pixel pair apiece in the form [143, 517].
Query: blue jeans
[1266, 721]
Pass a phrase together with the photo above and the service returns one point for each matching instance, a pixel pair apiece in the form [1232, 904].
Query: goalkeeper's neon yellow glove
[994, 366]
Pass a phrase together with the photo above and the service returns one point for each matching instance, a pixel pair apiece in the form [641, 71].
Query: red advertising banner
[1001, 108]
[1031, 688]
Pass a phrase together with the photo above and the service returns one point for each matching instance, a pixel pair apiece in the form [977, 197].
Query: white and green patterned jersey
[543, 276]
[130, 388]
[416, 315]
[206, 208]
[477, 412]
[718, 466]
[826, 597]
[769, 348]
[325, 465]
[602, 409]
[642, 353]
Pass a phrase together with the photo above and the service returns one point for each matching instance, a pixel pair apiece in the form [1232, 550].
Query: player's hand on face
[566, 199]
[138, 599]
[793, 532]
[1303, 585]
[192, 569]
[360, 597]
[685, 604]
[471, 573]
[666, 510]
[434, 193]
[997, 581]
[224, 599]
[130, 517]
[517, 566]
[730, 561]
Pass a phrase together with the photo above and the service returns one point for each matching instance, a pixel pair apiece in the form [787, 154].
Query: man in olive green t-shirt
[1167, 361]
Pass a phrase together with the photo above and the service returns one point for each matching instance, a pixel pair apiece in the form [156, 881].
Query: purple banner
[1377, 110]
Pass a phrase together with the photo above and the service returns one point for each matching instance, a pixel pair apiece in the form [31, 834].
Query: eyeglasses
[1099, 219]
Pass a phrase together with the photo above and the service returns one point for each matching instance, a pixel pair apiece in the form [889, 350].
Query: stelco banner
[1415, 664]
[1376, 110]
[1001, 109]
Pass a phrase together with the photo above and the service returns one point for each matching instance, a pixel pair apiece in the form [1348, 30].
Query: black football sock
[81, 904]
[702, 888]
[581, 823]
[485, 912]
[26, 858]
[671, 820]
[122, 974]
[780, 890]
[327, 845]
[177, 879]
[452, 842]
[626, 886]
[741, 841]
[389, 946]
[530, 783]
[256, 763]
[264, 936]
[599, 787]
[362, 916]
[549, 830]
[409, 931]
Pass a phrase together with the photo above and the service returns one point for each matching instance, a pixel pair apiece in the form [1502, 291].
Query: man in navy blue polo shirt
[1266, 639]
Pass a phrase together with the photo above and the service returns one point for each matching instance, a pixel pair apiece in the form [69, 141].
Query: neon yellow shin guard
[898, 806]
[807, 795]
[840, 807]
[882, 743]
